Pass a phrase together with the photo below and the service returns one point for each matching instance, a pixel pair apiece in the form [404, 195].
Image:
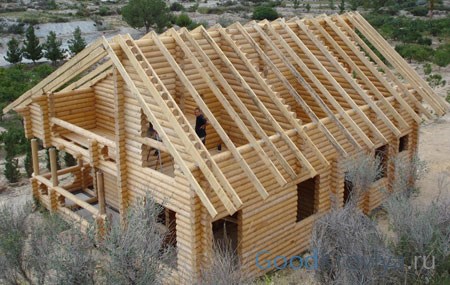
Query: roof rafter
[190, 140]
[271, 93]
[231, 110]
[92, 77]
[399, 63]
[386, 69]
[347, 77]
[292, 91]
[209, 115]
[130, 83]
[357, 70]
[331, 79]
[250, 94]
[309, 88]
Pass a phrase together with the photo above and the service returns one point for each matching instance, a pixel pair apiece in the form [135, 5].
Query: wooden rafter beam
[291, 90]
[211, 118]
[260, 105]
[241, 106]
[62, 75]
[91, 78]
[358, 71]
[399, 63]
[181, 126]
[387, 71]
[347, 77]
[161, 131]
[307, 86]
[229, 108]
[271, 93]
[331, 79]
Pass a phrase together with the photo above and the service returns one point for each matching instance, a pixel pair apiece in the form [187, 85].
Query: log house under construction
[288, 104]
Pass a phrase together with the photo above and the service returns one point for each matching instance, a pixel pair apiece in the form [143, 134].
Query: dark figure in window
[200, 125]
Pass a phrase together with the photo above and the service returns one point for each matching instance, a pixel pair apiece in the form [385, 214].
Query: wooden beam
[356, 68]
[388, 73]
[398, 62]
[101, 193]
[55, 181]
[211, 118]
[274, 98]
[91, 78]
[291, 90]
[233, 114]
[181, 126]
[241, 106]
[83, 132]
[352, 82]
[331, 79]
[161, 131]
[67, 71]
[35, 156]
[260, 105]
[305, 84]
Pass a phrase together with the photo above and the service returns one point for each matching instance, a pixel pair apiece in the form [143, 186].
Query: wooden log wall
[104, 104]
[76, 107]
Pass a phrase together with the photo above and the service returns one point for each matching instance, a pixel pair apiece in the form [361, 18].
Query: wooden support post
[35, 156]
[82, 178]
[55, 181]
[101, 193]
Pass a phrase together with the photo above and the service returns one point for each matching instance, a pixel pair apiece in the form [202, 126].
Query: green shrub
[11, 171]
[28, 162]
[420, 11]
[69, 160]
[427, 68]
[436, 80]
[416, 52]
[104, 11]
[264, 12]
[183, 20]
[176, 7]
[442, 55]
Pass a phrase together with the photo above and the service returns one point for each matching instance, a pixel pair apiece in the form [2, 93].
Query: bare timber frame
[288, 103]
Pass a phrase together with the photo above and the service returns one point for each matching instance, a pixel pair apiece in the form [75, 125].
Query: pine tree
[31, 48]
[11, 171]
[52, 47]
[14, 53]
[78, 43]
[342, 7]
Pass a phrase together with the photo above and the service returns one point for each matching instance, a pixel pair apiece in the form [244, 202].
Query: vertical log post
[35, 158]
[101, 193]
[82, 178]
[55, 182]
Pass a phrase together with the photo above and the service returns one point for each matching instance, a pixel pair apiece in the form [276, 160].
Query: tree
[32, 50]
[11, 171]
[52, 47]
[14, 53]
[77, 43]
[441, 55]
[69, 160]
[342, 7]
[28, 162]
[308, 7]
[264, 12]
[183, 20]
[147, 13]
[331, 4]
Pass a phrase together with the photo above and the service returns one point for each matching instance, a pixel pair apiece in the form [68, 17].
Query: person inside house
[200, 125]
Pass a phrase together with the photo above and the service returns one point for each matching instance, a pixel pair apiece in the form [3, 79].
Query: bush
[420, 11]
[28, 162]
[69, 160]
[176, 7]
[11, 171]
[435, 80]
[183, 20]
[414, 51]
[264, 12]
[104, 11]
[442, 55]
